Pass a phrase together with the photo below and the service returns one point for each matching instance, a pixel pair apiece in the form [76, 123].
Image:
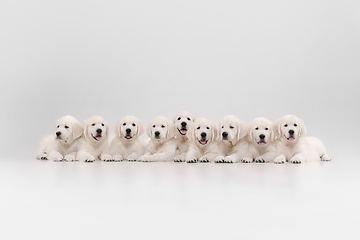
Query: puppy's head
[290, 128]
[96, 129]
[67, 129]
[128, 128]
[182, 122]
[160, 128]
[231, 129]
[261, 131]
[202, 132]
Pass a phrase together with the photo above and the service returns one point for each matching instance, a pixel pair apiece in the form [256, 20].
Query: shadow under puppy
[65, 142]
[162, 144]
[126, 145]
[94, 144]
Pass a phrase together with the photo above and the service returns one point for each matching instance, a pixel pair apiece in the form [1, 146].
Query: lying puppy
[64, 144]
[182, 121]
[203, 141]
[293, 146]
[261, 139]
[232, 146]
[162, 144]
[126, 144]
[95, 142]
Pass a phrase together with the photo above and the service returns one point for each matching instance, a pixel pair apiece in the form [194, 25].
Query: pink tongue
[291, 139]
[203, 141]
[261, 143]
[127, 136]
[98, 138]
[183, 131]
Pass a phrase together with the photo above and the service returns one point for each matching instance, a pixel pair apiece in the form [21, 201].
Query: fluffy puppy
[232, 145]
[162, 144]
[126, 145]
[95, 143]
[64, 144]
[293, 146]
[261, 139]
[203, 141]
[182, 122]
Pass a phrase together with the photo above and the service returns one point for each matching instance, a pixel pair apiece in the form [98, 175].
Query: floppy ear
[242, 131]
[277, 128]
[214, 134]
[249, 132]
[170, 129]
[77, 129]
[140, 128]
[272, 132]
[118, 128]
[148, 129]
[107, 129]
[191, 132]
[302, 128]
[85, 129]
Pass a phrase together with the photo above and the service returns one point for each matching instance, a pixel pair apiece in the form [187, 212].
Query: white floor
[47, 200]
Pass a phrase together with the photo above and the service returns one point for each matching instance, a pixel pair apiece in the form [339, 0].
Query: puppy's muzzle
[128, 133]
[291, 135]
[58, 135]
[183, 129]
[203, 139]
[157, 134]
[225, 135]
[262, 139]
[98, 136]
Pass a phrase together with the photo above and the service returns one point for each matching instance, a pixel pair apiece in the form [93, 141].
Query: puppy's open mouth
[182, 131]
[203, 141]
[262, 142]
[291, 139]
[128, 137]
[97, 137]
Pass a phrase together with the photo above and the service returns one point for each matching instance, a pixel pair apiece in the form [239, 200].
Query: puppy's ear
[273, 134]
[249, 132]
[277, 128]
[242, 131]
[214, 133]
[118, 128]
[77, 129]
[191, 132]
[140, 128]
[302, 128]
[170, 129]
[85, 124]
[107, 130]
[148, 129]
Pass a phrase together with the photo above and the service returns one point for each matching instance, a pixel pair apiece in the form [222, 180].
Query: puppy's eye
[266, 129]
[134, 124]
[153, 126]
[231, 127]
[102, 124]
[66, 127]
[198, 128]
[207, 128]
[162, 126]
[188, 119]
[179, 118]
[93, 124]
[256, 128]
[58, 126]
[295, 125]
[124, 124]
[222, 126]
[285, 125]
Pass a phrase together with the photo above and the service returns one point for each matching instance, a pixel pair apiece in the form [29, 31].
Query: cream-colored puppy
[203, 141]
[65, 142]
[261, 138]
[232, 145]
[162, 144]
[95, 143]
[126, 145]
[293, 146]
[182, 122]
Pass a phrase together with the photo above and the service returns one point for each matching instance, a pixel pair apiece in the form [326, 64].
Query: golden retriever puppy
[182, 122]
[64, 144]
[95, 143]
[162, 144]
[126, 145]
[232, 145]
[203, 141]
[293, 146]
[261, 139]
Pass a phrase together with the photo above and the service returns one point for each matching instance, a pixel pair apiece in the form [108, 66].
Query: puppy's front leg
[55, 156]
[105, 157]
[70, 157]
[192, 155]
[233, 158]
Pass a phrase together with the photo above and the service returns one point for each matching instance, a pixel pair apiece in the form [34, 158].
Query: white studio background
[150, 58]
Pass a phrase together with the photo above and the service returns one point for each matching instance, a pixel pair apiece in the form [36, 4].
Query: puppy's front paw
[279, 160]
[295, 160]
[325, 157]
[191, 160]
[204, 159]
[246, 160]
[106, 158]
[132, 158]
[219, 159]
[143, 159]
[69, 158]
[56, 157]
[118, 158]
[230, 159]
[178, 158]
[259, 160]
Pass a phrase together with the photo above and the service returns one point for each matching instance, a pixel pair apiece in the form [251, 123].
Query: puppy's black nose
[128, 130]
[157, 133]
[225, 134]
[291, 132]
[203, 135]
[98, 130]
[183, 124]
[58, 133]
[261, 136]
